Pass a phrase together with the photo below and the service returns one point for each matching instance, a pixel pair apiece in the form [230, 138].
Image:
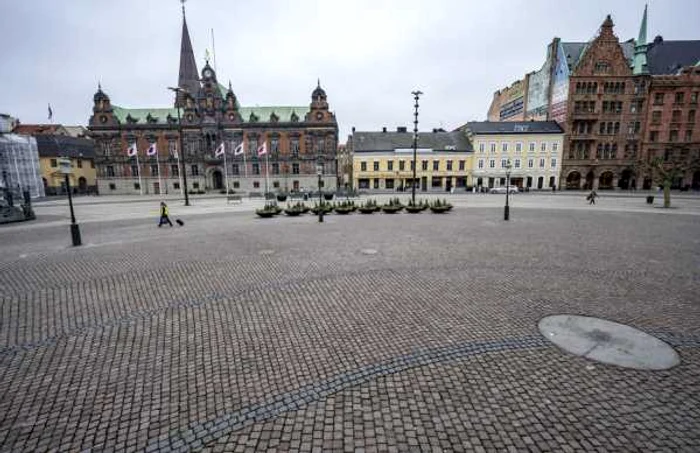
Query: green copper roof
[642, 39]
[639, 63]
[283, 113]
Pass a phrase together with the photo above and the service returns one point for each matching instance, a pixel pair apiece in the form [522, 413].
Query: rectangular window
[532, 147]
[274, 145]
[424, 165]
[256, 168]
[112, 186]
[493, 147]
[673, 136]
[174, 170]
[517, 163]
[236, 185]
[694, 97]
[436, 165]
[176, 185]
[376, 183]
[294, 146]
[462, 165]
[389, 183]
[172, 146]
[236, 169]
[195, 170]
[689, 135]
[375, 166]
[80, 163]
[363, 166]
[518, 147]
[658, 99]
[656, 117]
[256, 184]
[691, 116]
[504, 147]
[402, 165]
[449, 165]
[555, 147]
[110, 171]
[492, 163]
[92, 164]
[134, 170]
[363, 183]
[137, 186]
[390, 165]
[530, 163]
[275, 168]
[504, 162]
[295, 168]
[543, 147]
[481, 163]
[154, 170]
[54, 163]
[653, 136]
[482, 147]
[676, 116]
[541, 163]
[195, 185]
[554, 163]
[276, 184]
[253, 145]
[679, 98]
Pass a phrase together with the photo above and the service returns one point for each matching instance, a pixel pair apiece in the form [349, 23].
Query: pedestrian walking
[591, 197]
[164, 215]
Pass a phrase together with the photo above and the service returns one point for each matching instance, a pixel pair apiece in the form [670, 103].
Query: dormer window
[150, 119]
[294, 118]
[274, 118]
[602, 67]
[131, 120]
[253, 118]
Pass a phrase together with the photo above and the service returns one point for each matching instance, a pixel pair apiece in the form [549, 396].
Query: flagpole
[225, 170]
[179, 173]
[138, 170]
[267, 173]
[160, 180]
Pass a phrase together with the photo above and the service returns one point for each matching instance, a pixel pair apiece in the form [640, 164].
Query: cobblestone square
[242, 334]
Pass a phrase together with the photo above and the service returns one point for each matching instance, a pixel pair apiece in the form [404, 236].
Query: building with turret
[205, 115]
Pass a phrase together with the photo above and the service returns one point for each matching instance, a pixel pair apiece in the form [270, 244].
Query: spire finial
[183, 7]
[319, 83]
[229, 85]
[99, 86]
[642, 39]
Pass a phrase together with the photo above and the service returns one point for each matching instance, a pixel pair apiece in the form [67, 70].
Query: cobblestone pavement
[242, 334]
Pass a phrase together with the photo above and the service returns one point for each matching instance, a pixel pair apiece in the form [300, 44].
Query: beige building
[383, 161]
[534, 149]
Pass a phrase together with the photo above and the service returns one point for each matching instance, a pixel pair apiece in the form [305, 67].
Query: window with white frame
[543, 146]
[504, 147]
[530, 163]
[504, 162]
[492, 163]
[554, 163]
[532, 147]
[555, 146]
[517, 163]
[518, 147]
[481, 163]
[482, 147]
[541, 163]
[493, 147]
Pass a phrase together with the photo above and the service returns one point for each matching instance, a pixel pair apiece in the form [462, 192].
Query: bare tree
[664, 170]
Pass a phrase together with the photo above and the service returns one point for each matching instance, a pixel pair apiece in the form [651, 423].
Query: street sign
[64, 166]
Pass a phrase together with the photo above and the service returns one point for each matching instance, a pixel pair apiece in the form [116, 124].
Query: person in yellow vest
[164, 215]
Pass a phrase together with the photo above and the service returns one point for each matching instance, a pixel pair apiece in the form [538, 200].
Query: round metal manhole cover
[369, 251]
[608, 342]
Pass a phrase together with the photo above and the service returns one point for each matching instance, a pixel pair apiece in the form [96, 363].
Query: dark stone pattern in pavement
[150, 345]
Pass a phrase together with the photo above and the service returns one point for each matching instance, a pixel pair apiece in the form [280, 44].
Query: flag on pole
[50, 112]
[132, 150]
[239, 150]
[262, 149]
[152, 150]
[220, 150]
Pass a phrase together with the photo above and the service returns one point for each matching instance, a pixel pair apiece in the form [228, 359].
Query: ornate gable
[604, 55]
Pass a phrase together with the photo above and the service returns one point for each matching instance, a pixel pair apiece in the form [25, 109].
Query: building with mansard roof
[208, 114]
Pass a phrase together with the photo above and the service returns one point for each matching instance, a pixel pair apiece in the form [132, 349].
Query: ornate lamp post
[177, 91]
[506, 213]
[416, 95]
[319, 172]
[65, 168]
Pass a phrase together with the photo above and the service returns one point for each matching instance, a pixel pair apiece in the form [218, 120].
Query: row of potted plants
[346, 207]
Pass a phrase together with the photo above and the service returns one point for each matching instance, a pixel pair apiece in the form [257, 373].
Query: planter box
[439, 209]
[266, 214]
[414, 209]
[391, 209]
[366, 210]
[343, 211]
[293, 212]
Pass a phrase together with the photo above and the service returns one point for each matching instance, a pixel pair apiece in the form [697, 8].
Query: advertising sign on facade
[560, 86]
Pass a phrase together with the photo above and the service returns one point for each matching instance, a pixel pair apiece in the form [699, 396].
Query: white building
[534, 149]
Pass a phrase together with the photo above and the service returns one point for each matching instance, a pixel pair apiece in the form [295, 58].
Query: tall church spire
[640, 48]
[189, 76]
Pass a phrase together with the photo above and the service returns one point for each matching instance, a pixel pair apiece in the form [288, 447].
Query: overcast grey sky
[369, 54]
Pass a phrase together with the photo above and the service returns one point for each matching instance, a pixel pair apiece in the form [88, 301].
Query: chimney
[434, 131]
[353, 129]
[384, 130]
[401, 129]
[658, 39]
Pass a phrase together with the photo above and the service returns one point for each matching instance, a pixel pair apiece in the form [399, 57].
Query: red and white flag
[132, 150]
[239, 150]
[220, 150]
[152, 150]
[262, 149]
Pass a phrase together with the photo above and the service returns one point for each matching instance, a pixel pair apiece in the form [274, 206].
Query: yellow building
[383, 161]
[81, 152]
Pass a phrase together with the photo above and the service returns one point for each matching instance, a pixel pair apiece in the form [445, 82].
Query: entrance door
[589, 180]
[217, 180]
[424, 183]
[529, 182]
[540, 182]
[156, 188]
[448, 184]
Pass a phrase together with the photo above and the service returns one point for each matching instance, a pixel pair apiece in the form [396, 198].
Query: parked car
[502, 189]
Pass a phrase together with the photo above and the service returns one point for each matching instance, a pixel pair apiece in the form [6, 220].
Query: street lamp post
[319, 172]
[506, 212]
[416, 95]
[65, 167]
[183, 171]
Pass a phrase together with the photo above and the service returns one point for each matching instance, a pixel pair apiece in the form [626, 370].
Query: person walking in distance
[164, 215]
[591, 197]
